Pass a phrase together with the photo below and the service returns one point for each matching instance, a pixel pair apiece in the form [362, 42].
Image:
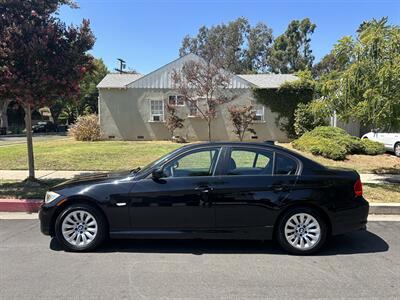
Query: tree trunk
[209, 131]
[28, 126]
[3, 113]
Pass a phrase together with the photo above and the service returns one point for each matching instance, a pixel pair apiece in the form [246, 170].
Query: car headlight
[50, 196]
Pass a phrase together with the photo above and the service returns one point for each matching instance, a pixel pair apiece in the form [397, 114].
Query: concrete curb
[32, 205]
[384, 208]
[20, 205]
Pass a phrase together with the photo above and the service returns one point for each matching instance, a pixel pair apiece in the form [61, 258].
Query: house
[132, 106]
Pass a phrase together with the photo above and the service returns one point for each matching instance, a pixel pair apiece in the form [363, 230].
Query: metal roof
[161, 78]
[115, 80]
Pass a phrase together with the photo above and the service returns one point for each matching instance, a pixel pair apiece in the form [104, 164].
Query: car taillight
[358, 191]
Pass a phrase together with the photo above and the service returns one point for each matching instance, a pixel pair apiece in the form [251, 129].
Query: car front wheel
[301, 231]
[397, 149]
[80, 227]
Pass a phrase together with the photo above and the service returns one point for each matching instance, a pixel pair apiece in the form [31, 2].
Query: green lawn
[19, 190]
[67, 154]
[381, 193]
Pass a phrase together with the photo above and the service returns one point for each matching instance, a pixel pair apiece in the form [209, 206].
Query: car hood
[92, 178]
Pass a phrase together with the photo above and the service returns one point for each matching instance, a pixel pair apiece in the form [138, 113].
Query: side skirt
[259, 233]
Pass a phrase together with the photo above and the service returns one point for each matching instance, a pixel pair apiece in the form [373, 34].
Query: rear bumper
[351, 219]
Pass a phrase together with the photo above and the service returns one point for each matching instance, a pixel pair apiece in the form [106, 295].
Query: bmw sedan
[215, 190]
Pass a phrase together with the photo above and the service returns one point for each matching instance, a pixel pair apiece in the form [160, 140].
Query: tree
[286, 98]
[308, 116]
[41, 59]
[336, 61]
[87, 102]
[291, 51]
[203, 85]
[368, 87]
[325, 66]
[173, 121]
[242, 48]
[242, 118]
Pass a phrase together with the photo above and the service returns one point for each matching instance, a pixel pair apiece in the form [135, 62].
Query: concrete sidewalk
[379, 178]
[54, 174]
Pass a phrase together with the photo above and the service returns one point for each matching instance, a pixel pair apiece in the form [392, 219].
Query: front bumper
[46, 214]
[351, 219]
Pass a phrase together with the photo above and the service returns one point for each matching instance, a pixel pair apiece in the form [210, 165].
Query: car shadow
[353, 243]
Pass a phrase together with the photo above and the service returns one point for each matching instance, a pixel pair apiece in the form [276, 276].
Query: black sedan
[211, 191]
[44, 127]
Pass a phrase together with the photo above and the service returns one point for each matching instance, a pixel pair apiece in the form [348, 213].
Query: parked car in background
[390, 140]
[221, 190]
[44, 126]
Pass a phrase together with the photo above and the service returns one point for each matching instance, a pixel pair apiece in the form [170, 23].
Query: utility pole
[122, 65]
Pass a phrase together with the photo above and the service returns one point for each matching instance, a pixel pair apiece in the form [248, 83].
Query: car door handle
[204, 189]
[279, 188]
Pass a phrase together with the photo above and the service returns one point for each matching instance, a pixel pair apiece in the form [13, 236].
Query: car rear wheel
[301, 231]
[397, 149]
[80, 227]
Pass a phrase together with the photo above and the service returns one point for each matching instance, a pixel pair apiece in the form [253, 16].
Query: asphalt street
[364, 264]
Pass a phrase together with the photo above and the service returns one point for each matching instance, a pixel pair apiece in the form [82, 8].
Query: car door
[254, 184]
[391, 140]
[180, 199]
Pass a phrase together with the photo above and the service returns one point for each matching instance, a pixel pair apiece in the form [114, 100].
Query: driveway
[12, 140]
[364, 264]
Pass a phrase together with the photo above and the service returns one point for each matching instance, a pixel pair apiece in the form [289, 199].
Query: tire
[301, 231]
[397, 149]
[83, 224]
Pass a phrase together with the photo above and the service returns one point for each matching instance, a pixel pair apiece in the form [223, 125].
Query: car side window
[250, 162]
[198, 163]
[284, 165]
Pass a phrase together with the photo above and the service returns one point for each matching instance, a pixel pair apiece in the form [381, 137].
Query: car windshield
[159, 161]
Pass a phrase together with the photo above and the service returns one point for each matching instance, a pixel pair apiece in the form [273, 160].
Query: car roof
[269, 144]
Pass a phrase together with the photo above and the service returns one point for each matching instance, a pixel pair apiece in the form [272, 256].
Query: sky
[148, 34]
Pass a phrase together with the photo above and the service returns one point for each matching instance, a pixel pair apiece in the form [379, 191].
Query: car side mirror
[157, 173]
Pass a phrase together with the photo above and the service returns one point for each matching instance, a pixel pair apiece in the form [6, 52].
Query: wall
[352, 127]
[125, 114]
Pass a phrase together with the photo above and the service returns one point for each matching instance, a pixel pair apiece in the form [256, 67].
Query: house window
[156, 110]
[193, 111]
[259, 110]
[176, 100]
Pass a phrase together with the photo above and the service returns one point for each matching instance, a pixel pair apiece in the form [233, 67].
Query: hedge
[335, 143]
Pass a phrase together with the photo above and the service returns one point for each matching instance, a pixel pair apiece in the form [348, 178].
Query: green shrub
[335, 143]
[372, 148]
[86, 128]
[309, 116]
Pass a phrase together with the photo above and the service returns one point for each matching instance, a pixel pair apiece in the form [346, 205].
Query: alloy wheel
[397, 150]
[79, 228]
[302, 231]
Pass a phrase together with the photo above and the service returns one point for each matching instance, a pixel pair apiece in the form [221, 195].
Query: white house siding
[125, 115]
